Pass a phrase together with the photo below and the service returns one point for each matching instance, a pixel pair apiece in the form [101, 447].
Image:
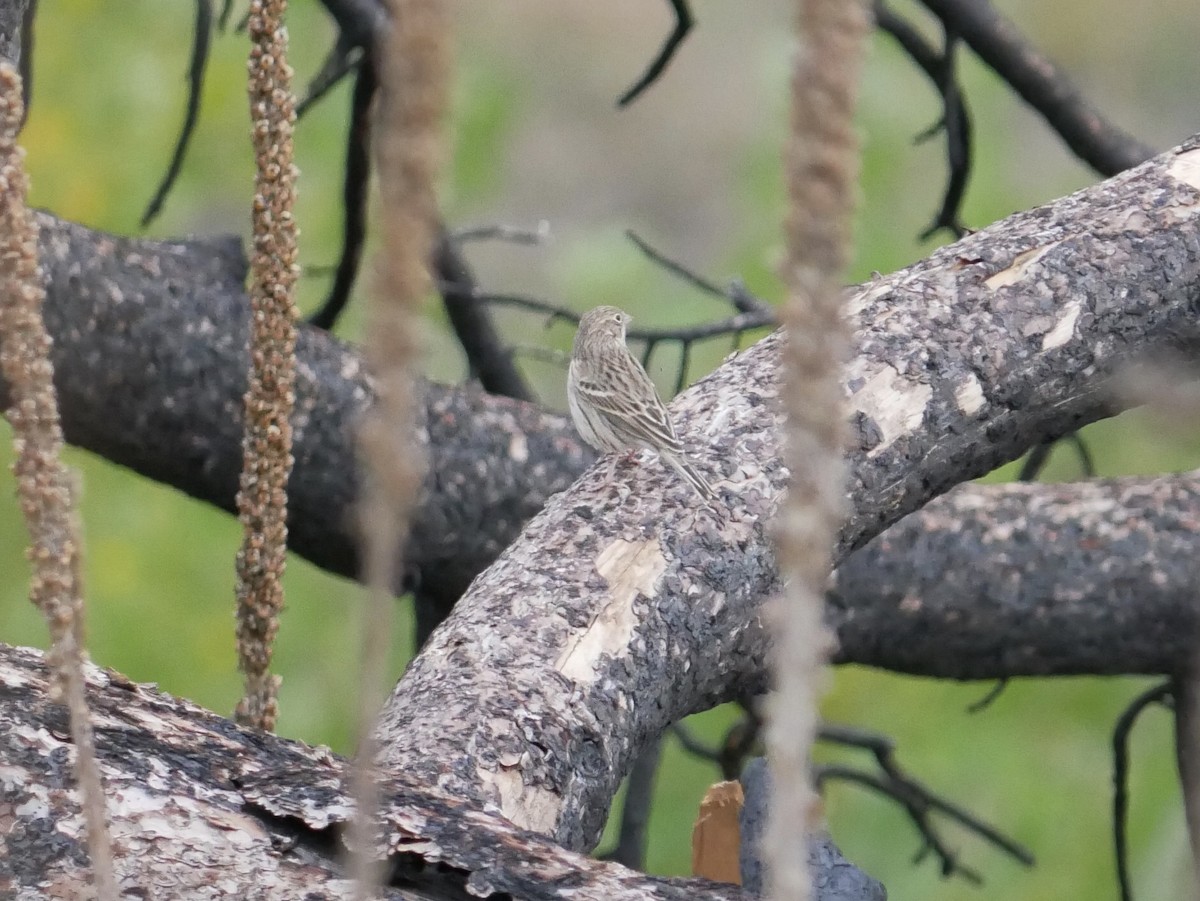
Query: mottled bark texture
[150, 364]
[990, 581]
[203, 809]
[622, 608]
[12, 21]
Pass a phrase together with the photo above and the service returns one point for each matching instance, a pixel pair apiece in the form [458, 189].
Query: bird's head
[605, 323]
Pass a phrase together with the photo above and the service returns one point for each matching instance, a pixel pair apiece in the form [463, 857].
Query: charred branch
[1041, 84]
[150, 359]
[980, 584]
[201, 43]
[267, 814]
[356, 182]
[489, 360]
[679, 31]
[956, 120]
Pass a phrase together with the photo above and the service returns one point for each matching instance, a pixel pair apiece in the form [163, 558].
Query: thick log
[203, 809]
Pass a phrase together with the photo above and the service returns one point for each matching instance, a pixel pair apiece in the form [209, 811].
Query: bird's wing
[634, 411]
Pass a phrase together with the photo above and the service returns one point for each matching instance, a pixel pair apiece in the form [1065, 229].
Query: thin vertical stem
[43, 483]
[414, 97]
[270, 395]
[821, 164]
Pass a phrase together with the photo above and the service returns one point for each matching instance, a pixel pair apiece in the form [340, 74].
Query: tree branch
[996, 581]
[1042, 85]
[193, 795]
[471, 320]
[623, 609]
[150, 359]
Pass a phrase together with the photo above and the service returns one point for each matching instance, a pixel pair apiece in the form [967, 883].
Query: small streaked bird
[614, 404]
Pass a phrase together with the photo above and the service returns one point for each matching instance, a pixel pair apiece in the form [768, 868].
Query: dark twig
[916, 803]
[471, 320]
[753, 312]
[743, 301]
[355, 184]
[1037, 458]
[509, 233]
[553, 313]
[226, 12]
[632, 837]
[675, 268]
[737, 295]
[360, 25]
[1042, 85]
[647, 353]
[918, 800]
[883, 750]
[989, 697]
[956, 124]
[683, 24]
[1158, 694]
[955, 121]
[1086, 463]
[740, 742]
[201, 44]
[729, 325]
[685, 360]
[338, 64]
[693, 745]
[542, 354]
[1035, 461]
[25, 64]
[705, 330]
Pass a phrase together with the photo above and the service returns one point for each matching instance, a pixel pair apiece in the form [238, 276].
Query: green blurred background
[693, 167]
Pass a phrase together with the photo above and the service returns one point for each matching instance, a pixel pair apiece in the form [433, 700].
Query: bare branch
[201, 43]
[917, 799]
[356, 181]
[1042, 85]
[955, 122]
[1161, 693]
[489, 360]
[683, 24]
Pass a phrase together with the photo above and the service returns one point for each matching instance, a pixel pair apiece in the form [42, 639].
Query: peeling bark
[203, 809]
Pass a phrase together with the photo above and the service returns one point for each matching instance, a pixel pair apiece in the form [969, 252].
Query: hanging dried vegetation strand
[270, 395]
[43, 482]
[414, 95]
[821, 169]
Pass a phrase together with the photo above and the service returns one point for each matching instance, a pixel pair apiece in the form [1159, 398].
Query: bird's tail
[684, 468]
